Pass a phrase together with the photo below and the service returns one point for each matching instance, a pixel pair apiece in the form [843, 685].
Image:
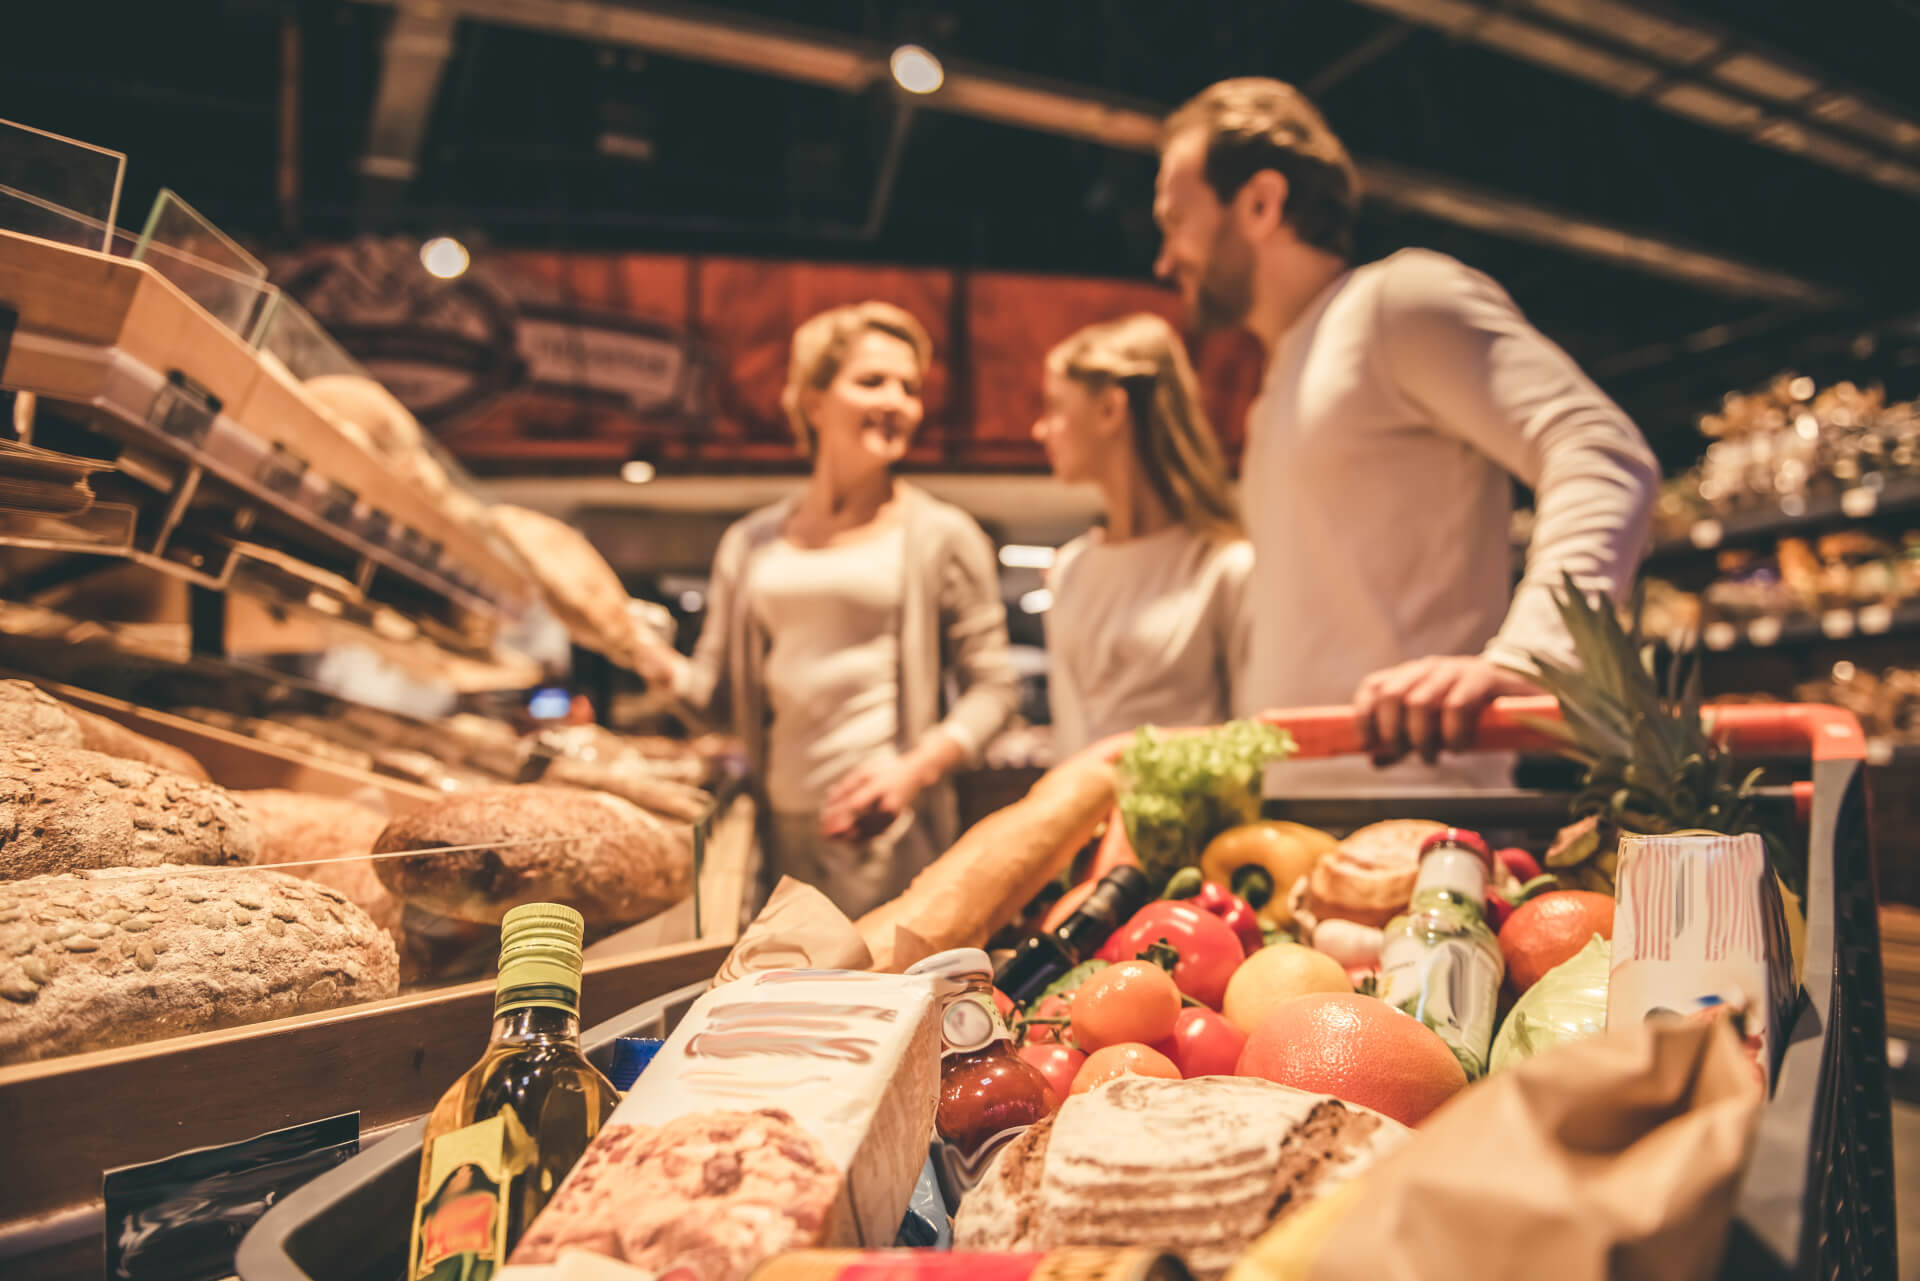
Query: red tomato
[1209, 949]
[1052, 1007]
[1131, 1001]
[1203, 1044]
[1058, 1063]
[1125, 1059]
[1003, 1003]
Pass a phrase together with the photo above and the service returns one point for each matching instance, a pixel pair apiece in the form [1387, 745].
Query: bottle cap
[540, 957]
[1461, 838]
[959, 964]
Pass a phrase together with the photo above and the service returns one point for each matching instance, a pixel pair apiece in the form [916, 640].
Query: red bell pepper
[1209, 950]
[1236, 912]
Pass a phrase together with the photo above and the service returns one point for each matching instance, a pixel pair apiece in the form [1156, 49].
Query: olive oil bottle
[501, 1140]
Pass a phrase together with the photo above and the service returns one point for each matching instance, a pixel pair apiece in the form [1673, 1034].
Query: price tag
[1859, 502]
[184, 409]
[281, 471]
[340, 503]
[1721, 635]
[1836, 624]
[1706, 534]
[377, 526]
[1763, 631]
[1876, 620]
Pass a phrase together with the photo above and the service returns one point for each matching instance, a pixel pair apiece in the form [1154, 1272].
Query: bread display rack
[205, 427]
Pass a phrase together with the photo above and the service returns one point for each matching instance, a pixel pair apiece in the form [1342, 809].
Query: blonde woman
[1150, 618]
[838, 619]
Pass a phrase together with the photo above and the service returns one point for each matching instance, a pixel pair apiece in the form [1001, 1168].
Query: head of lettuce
[1180, 789]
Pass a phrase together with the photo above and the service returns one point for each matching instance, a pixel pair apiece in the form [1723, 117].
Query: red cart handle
[1825, 733]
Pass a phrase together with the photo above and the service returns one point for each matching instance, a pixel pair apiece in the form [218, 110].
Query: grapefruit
[1359, 1050]
[1548, 930]
[1278, 972]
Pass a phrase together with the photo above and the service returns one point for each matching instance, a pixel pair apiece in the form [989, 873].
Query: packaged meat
[791, 1109]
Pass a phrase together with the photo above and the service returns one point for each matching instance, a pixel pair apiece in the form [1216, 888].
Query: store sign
[639, 365]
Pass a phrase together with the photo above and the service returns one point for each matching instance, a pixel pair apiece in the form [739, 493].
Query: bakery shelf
[1838, 509]
[162, 378]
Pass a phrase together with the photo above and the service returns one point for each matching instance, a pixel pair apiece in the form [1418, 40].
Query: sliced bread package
[790, 1109]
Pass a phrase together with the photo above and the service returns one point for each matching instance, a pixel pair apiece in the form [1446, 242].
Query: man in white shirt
[1399, 398]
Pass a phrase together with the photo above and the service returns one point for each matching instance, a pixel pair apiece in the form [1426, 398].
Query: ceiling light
[1026, 556]
[445, 257]
[637, 472]
[1037, 601]
[916, 70]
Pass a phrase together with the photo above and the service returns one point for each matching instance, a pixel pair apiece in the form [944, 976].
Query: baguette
[608, 859]
[28, 714]
[998, 864]
[67, 809]
[92, 960]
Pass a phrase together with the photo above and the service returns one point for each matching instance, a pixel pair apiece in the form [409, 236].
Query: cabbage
[1569, 1003]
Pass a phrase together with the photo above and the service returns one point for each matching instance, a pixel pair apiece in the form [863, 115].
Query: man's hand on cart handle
[1429, 704]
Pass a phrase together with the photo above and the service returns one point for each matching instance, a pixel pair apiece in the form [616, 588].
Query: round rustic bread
[118, 956]
[608, 859]
[65, 809]
[1198, 1167]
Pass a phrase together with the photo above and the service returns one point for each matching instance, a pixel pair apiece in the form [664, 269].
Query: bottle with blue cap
[501, 1140]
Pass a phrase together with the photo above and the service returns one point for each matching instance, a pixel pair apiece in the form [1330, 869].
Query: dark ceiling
[538, 139]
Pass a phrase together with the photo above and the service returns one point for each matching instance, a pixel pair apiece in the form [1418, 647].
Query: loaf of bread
[588, 756]
[1197, 1167]
[327, 839]
[92, 960]
[607, 858]
[575, 580]
[65, 809]
[28, 714]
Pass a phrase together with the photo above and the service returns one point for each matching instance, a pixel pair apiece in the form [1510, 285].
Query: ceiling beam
[412, 60]
[1689, 69]
[850, 64]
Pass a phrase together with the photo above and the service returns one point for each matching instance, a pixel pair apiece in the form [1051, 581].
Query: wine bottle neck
[534, 1023]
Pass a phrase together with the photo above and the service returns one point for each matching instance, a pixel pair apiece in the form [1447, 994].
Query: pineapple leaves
[1652, 761]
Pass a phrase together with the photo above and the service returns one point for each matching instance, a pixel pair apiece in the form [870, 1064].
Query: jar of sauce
[988, 1094]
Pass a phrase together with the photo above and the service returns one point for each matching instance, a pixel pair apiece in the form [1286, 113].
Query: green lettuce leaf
[1179, 791]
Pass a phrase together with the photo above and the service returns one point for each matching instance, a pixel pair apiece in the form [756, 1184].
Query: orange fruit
[1278, 972]
[1358, 1049]
[1550, 929]
[1131, 1001]
[1125, 1059]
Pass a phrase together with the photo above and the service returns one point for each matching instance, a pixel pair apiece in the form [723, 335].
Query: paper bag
[798, 929]
[1615, 1158]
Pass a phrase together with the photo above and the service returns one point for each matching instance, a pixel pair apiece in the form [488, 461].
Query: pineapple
[1652, 763]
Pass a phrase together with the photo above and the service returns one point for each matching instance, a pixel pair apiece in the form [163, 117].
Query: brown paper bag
[798, 929]
[1617, 1157]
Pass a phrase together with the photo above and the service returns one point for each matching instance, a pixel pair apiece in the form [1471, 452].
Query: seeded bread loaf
[28, 714]
[610, 860]
[1198, 1167]
[92, 960]
[65, 809]
[328, 839]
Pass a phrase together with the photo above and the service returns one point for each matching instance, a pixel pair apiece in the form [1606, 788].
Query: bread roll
[91, 960]
[66, 809]
[1198, 1167]
[330, 840]
[28, 714]
[608, 859]
[1369, 876]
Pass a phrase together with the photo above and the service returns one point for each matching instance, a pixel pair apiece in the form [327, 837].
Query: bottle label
[1452, 986]
[460, 1226]
[971, 1022]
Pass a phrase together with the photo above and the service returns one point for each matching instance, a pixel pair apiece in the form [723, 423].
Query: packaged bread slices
[790, 1109]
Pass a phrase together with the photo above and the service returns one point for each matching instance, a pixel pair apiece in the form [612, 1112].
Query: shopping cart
[1817, 1196]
